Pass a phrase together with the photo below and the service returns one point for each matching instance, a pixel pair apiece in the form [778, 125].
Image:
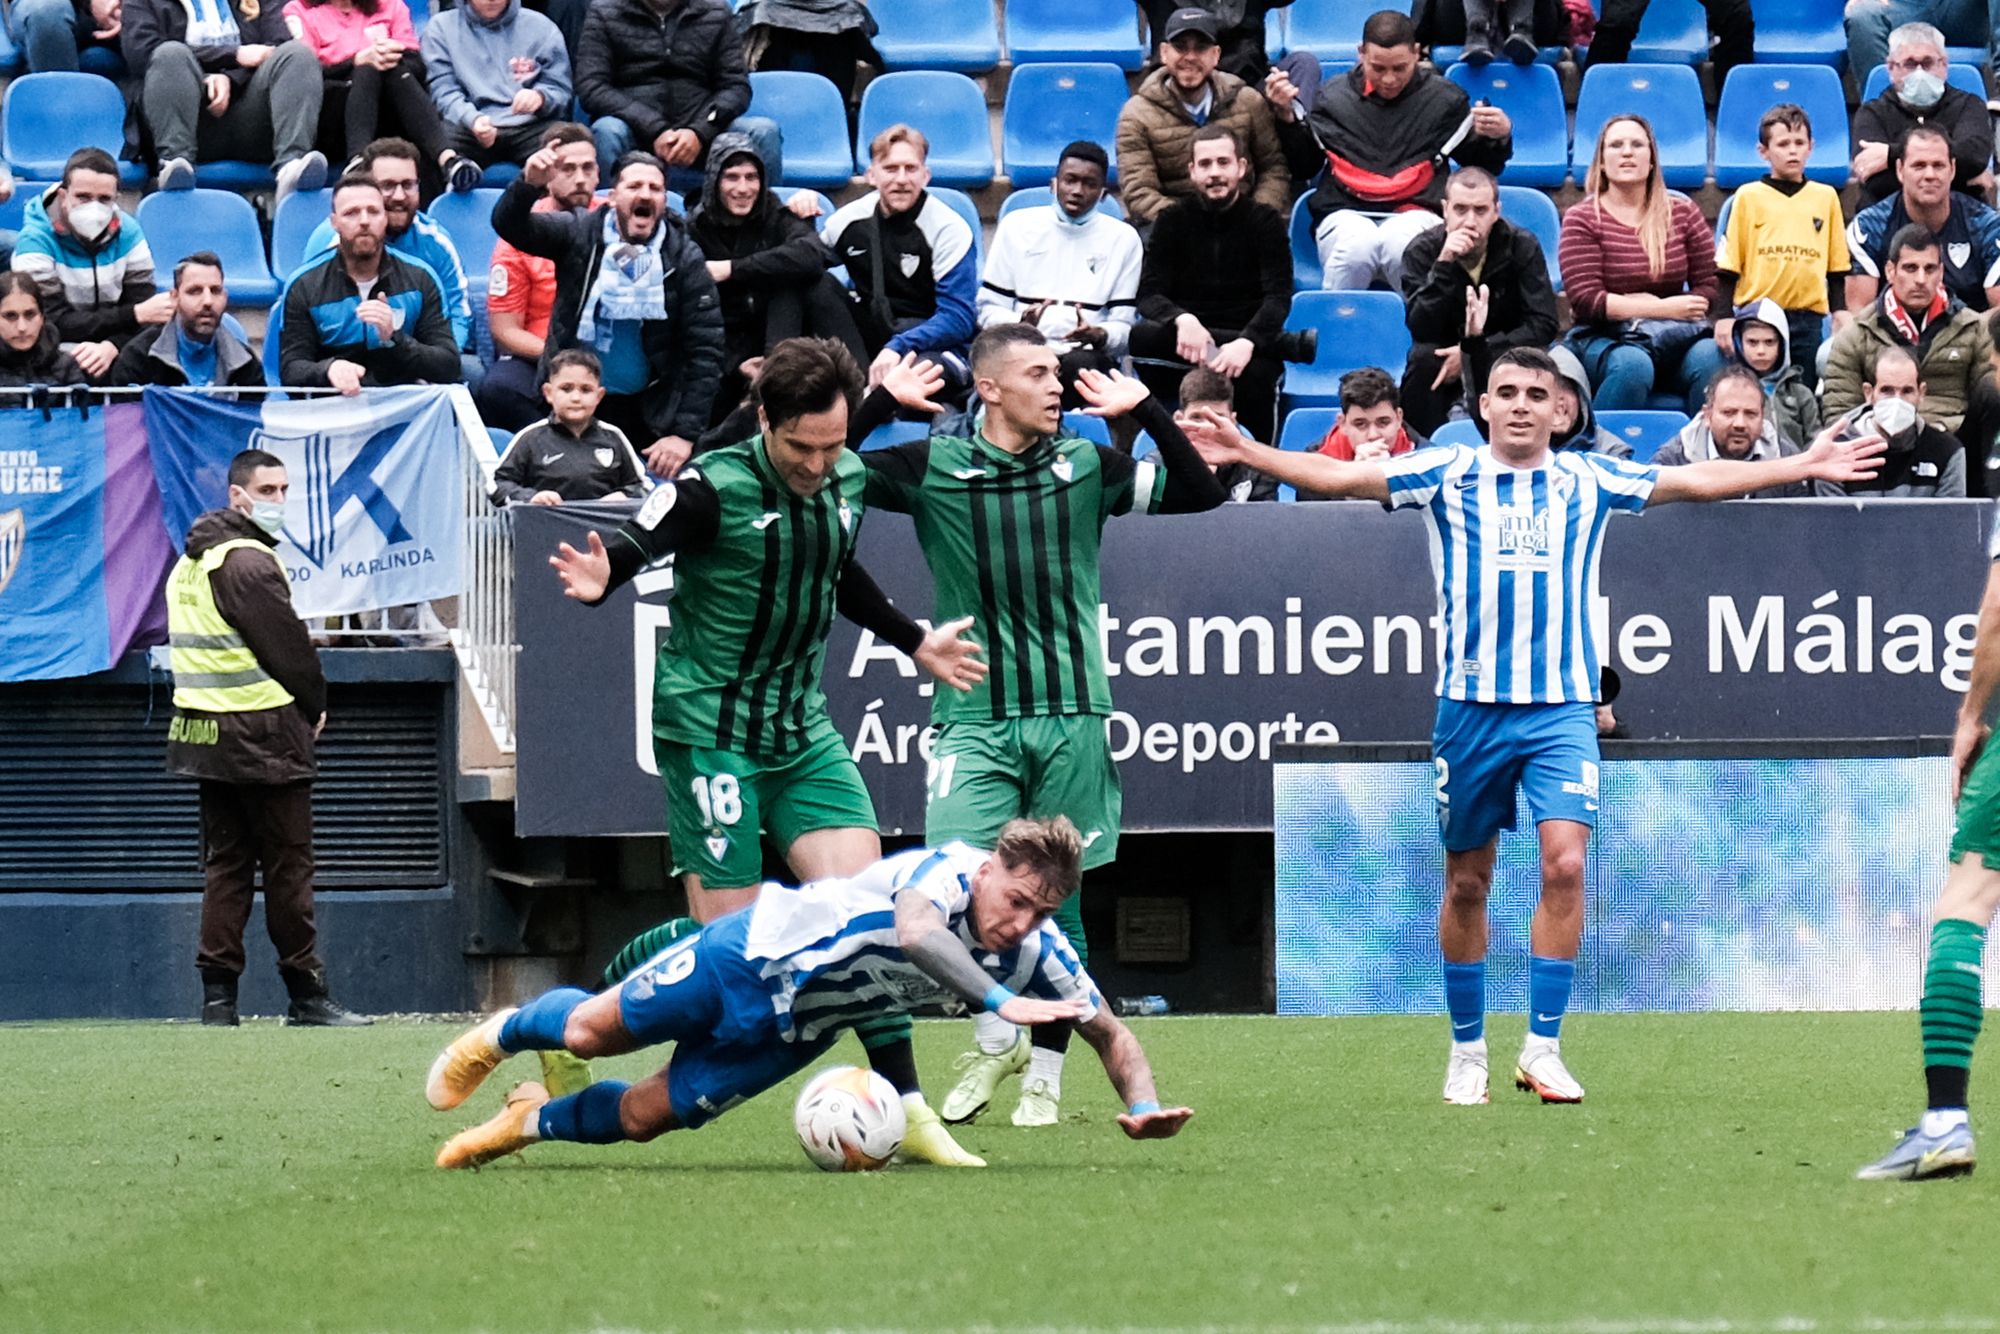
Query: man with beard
[1734, 426]
[193, 346]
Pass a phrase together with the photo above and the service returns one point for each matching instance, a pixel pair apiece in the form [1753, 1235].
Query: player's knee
[581, 1037]
[1562, 873]
[1467, 888]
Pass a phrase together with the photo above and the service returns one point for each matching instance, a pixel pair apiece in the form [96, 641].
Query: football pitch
[171, 1177]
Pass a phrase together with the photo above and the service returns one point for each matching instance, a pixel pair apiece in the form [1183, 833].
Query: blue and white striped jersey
[828, 949]
[1515, 553]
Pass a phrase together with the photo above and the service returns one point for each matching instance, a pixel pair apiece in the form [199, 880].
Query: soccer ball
[849, 1120]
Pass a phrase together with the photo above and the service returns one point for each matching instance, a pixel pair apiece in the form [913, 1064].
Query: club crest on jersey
[908, 264]
[1063, 468]
[603, 456]
[717, 845]
[846, 517]
[1819, 224]
[1959, 252]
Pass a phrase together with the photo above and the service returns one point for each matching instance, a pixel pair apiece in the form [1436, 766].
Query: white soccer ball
[849, 1120]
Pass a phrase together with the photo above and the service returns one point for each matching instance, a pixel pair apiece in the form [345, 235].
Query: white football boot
[1541, 1071]
[1465, 1074]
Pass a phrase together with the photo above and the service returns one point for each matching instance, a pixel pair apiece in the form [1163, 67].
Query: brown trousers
[244, 826]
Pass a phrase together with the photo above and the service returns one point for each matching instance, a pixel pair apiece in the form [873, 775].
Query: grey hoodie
[1787, 397]
[469, 61]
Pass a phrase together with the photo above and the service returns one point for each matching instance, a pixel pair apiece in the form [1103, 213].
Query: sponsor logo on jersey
[968, 474]
[764, 520]
[656, 506]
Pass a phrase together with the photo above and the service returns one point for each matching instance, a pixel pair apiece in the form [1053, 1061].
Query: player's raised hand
[1112, 393]
[1027, 1010]
[1968, 742]
[1835, 460]
[585, 575]
[1213, 434]
[950, 658]
[915, 383]
[1161, 1123]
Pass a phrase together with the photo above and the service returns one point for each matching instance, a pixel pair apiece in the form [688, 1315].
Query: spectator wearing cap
[1242, 28]
[1187, 93]
[1919, 93]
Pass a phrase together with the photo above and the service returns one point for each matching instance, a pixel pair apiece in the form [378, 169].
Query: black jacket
[44, 363]
[596, 465]
[1961, 116]
[318, 326]
[1230, 268]
[252, 593]
[677, 70]
[684, 350]
[147, 23]
[771, 248]
[154, 357]
[1521, 309]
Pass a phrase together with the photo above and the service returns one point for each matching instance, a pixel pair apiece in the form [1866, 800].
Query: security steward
[249, 702]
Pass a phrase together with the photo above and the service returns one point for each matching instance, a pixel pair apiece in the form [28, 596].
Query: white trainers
[306, 173]
[984, 1072]
[1040, 1105]
[1541, 1071]
[176, 173]
[1465, 1075]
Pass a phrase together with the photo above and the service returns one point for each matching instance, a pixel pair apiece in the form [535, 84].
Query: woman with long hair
[28, 351]
[1638, 265]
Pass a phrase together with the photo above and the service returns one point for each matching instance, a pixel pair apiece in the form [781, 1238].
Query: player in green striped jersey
[762, 535]
[1010, 510]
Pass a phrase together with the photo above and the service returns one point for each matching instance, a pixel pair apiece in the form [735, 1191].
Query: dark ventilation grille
[86, 805]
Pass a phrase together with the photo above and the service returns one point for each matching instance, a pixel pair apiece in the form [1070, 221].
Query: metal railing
[484, 636]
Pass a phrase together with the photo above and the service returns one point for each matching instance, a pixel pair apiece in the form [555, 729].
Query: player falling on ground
[1010, 510]
[756, 996]
[1516, 532]
[762, 534]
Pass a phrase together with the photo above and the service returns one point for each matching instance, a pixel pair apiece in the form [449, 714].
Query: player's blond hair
[1048, 848]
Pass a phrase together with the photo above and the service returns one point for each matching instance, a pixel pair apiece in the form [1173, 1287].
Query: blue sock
[1548, 994]
[538, 1025]
[589, 1117]
[1465, 997]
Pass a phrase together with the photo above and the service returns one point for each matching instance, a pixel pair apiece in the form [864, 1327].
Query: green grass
[170, 1177]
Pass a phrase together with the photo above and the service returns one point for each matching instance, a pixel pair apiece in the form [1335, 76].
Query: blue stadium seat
[785, 193]
[1329, 27]
[231, 174]
[1803, 32]
[1045, 30]
[1329, 70]
[499, 176]
[1668, 96]
[420, 15]
[1537, 213]
[178, 224]
[1459, 432]
[1969, 77]
[468, 219]
[1645, 430]
[1275, 24]
[1441, 56]
[1307, 273]
[948, 108]
[937, 35]
[298, 216]
[1674, 32]
[46, 117]
[817, 152]
[1355, 329]
[1304, 428]
[1750, 91]
[895, 433]
[11, 58]
[1041, 196]
[501, 439]
[16, 206]
[961, 204]
[1049, 106]
[1532, 98]
[1090, 428]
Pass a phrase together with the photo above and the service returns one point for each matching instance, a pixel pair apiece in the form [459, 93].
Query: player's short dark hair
[566, 132]
[1368, 387]
[638, 157]
[1202, 385]
[1530, 359]
[1785, 115]
[1389, 27]
[89, 159]
[206, 259]
[245, 465]
[353, 180]
[1910, 236]
[1921, 130]
[392, 147]
[582, 358]
[1893, 352]
[1048, 848]
[1085, 151]
[1000, 339]
[1215, 129]
[1735, 371]
[1473, 178]
[805, 375]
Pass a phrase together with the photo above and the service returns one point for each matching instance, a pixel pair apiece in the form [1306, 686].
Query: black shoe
[1478, 48]
[321, 1012]
[218, 1005]
[1520, 47]
[1299, 345]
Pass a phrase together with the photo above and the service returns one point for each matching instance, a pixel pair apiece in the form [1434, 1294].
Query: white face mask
[268, 515]
[1893, 416]
[89, 220]
[1921, 89]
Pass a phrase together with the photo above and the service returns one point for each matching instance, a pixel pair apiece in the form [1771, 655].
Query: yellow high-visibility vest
[214, 670]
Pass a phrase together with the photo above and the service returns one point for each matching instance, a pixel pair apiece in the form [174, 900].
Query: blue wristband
[1142, 1108]
[996, 997]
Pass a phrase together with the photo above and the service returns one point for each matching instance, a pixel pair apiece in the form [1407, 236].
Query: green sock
[1951, 1010]
[890, 1051]
[644, 946]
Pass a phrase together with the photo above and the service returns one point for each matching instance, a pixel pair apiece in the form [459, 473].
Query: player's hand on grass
[950, 658]
[1111, 393]
[1835, 460]
[1026, 1010]
[585, 575]
[915, 383]
[1968, 742]
[1165, 1123]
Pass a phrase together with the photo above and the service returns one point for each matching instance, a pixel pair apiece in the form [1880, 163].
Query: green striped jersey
[1012, 541]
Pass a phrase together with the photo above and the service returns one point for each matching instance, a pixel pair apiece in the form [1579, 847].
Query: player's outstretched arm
[944, 652]
[928, 943]
[1125, 1062]
[1191, 485]
[1969, 737]
[1220, 442]
[681, 515]
[1829, 460]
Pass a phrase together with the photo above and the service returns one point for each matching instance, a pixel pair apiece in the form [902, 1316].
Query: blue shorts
[703, 996]
[1483, 752]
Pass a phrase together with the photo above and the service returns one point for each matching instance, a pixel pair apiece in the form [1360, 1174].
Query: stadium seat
[1328, 27]
[46, 117]
[1443, 56]
[1307, 273]
[16, 206]
[1355, 329]
[420, 15]
[1803, 32]
[499, 175]
[1090, 427]
[895, 433]
[178, 224]
[1459, 432]
[10, 53]
[817, 152]
[1750, 91]
[301, 213]
[1674, 32]
[1668, 96]
[468, 219]
[1646, 431]
[1968, 77]
[1532, 98]
[1537, 213]
[1304, 428]
[961, 204]
[948, 108]
[937, 35]
[785, 193]
[1049, 106]
[1056, 30]
[231, 174]
[1040, 196]
[501, 439]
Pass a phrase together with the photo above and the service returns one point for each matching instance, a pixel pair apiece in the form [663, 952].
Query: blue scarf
[631, 284]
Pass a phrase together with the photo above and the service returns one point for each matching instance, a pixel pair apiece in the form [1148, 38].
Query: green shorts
[720, 802]
[1979, 810]
[983, 774]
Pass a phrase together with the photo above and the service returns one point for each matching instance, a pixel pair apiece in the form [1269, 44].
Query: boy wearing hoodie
[1761, 339]
[1785, 239]
[500, 77]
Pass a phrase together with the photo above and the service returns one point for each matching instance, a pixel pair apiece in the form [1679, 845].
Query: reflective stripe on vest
[214, 669]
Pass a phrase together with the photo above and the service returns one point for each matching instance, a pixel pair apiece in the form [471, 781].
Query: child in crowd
[570, 455]
[1761, 339]
[1205, 391]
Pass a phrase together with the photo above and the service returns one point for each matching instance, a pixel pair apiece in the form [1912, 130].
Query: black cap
[1191, 20]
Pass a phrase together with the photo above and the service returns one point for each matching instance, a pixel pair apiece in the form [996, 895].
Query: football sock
[644, 946]
[1940, 1120]
[890, 1053]
[1052, 1038]
[1548, 994]
[1465, 997]
[589, 1117]
[538, 1025]
[996, 1035]
[1046, 1065]
[1951, 1009]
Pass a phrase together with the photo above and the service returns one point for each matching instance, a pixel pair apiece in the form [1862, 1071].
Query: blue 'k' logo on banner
[328, 492]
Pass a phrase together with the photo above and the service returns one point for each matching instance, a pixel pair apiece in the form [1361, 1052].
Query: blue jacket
[468, 59]
[428, 244]
[89, 288]
[315, 325]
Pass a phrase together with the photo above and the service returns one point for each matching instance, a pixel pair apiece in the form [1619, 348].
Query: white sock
[1477, 1045]
[1939, 1120]
[1537, 1043]
[1046, 1066]
[914, 1102]
[996, 1035]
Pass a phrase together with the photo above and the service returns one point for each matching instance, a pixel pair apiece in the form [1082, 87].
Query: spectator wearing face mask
[1920, 459]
